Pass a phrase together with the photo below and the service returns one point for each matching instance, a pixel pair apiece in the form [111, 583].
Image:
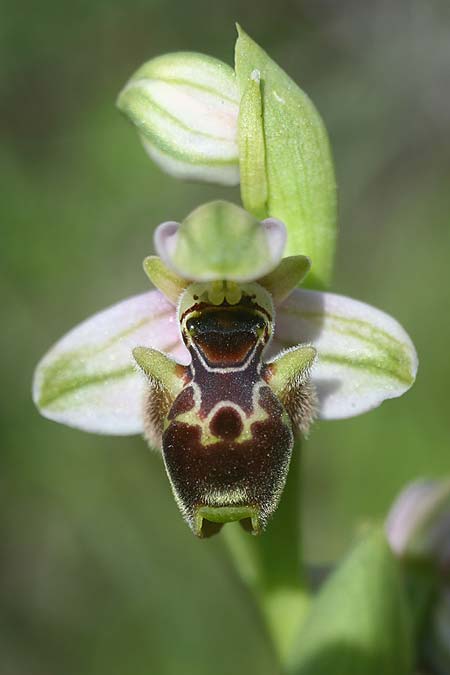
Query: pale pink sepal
[364, 355]
[88, 379]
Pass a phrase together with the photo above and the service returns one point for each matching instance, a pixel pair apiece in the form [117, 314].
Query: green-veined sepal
[89, 379]
[364, 356]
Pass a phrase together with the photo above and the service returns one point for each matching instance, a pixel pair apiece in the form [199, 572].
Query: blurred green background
[98, 573]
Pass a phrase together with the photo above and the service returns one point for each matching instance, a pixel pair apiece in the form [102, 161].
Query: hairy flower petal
[88, 378]
[364, 355]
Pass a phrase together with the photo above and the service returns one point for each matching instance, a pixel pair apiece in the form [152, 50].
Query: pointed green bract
[170, 284]
[299, 174]
[221, 241]
[159, 369]
[290, 273]
[358, 624]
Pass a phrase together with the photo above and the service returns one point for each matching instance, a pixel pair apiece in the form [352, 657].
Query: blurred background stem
[272, 565]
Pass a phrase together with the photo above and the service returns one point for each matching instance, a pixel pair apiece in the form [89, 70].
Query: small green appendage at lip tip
[210, 519]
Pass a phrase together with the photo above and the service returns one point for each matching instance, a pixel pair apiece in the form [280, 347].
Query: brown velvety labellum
[228, 440]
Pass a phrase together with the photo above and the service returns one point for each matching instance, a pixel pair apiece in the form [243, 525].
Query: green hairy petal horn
[160, 368]
[220, 241]
[292, 367]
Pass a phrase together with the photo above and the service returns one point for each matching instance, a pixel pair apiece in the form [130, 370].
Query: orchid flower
[418, 530]
[226, 305]
[227, 363]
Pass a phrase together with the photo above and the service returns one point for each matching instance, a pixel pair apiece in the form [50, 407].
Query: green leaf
[280, 129]
[358, 624]
[88, 379]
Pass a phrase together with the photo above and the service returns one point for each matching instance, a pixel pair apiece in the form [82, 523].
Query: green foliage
[358, 623]
[285, 159]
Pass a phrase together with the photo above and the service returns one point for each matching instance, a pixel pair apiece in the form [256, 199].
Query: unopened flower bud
[418, 526]
[418, 529]
[185, 107]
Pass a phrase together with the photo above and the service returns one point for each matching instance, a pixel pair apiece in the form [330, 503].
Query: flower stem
[271, 565]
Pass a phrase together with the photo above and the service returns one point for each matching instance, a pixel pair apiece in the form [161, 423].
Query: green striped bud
[185, 107]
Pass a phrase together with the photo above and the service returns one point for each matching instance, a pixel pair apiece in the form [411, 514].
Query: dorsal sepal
[221, 241]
